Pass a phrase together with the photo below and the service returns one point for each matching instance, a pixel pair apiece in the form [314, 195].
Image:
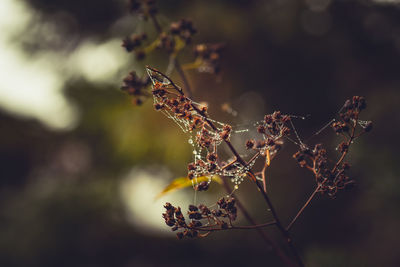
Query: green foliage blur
[61, 200]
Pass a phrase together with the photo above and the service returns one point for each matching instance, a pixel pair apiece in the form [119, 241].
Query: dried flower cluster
[173, 39]
[134, 43]
[179, 35]
[143, 8]
[136, 87]
[208, 57]
[202, 219]
[273, 128]
[331, 179]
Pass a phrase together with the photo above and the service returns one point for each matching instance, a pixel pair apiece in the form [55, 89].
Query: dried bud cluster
[213, 220]
[331, 179]
[178, 35]
[229, 208]
[133, 42]
[144, 8]
[210, 57]
[184, 29]
[167, 42]
[226, 132]
[273, 128]
[135, 87]
[179, 105]
[349, 116]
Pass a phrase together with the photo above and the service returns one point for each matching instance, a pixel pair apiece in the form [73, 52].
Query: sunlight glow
[99, 62]
[31, 85]
[139, 189]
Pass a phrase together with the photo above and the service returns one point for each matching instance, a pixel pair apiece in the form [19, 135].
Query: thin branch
[264, 178]
[229, 164]
[302, 208]
[213, 228]
[283, 231]
[271, 244]
[255, 156]
[156, 24]
[183, 76]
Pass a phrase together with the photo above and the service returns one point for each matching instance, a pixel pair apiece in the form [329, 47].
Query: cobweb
[236, 171]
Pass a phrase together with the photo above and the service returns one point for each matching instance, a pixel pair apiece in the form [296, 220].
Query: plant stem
[271, 244]
[218, 228]
[263, 175]
[302, 208]
[283, 231]
[156, 24]
[183, 77]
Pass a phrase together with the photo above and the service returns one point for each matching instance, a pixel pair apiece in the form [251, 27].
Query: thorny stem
[340, 160]
[249, 172]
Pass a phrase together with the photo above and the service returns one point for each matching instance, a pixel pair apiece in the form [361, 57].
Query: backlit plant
[206, 135]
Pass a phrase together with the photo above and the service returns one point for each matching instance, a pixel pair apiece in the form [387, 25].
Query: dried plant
[206, 135]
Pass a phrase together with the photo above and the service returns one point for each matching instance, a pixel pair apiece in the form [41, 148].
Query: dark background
[60, 190]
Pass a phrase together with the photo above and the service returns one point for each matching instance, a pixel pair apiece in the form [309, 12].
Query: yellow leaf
[183, 182]
[151, 46]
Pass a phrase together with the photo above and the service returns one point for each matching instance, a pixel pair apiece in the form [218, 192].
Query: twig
[271, 244]
[263, 175]
[247, 227]
[283, 231]
[183, 76]
[302, 208]
[156, 24]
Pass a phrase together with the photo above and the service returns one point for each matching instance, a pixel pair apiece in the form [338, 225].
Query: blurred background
[80, 166]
